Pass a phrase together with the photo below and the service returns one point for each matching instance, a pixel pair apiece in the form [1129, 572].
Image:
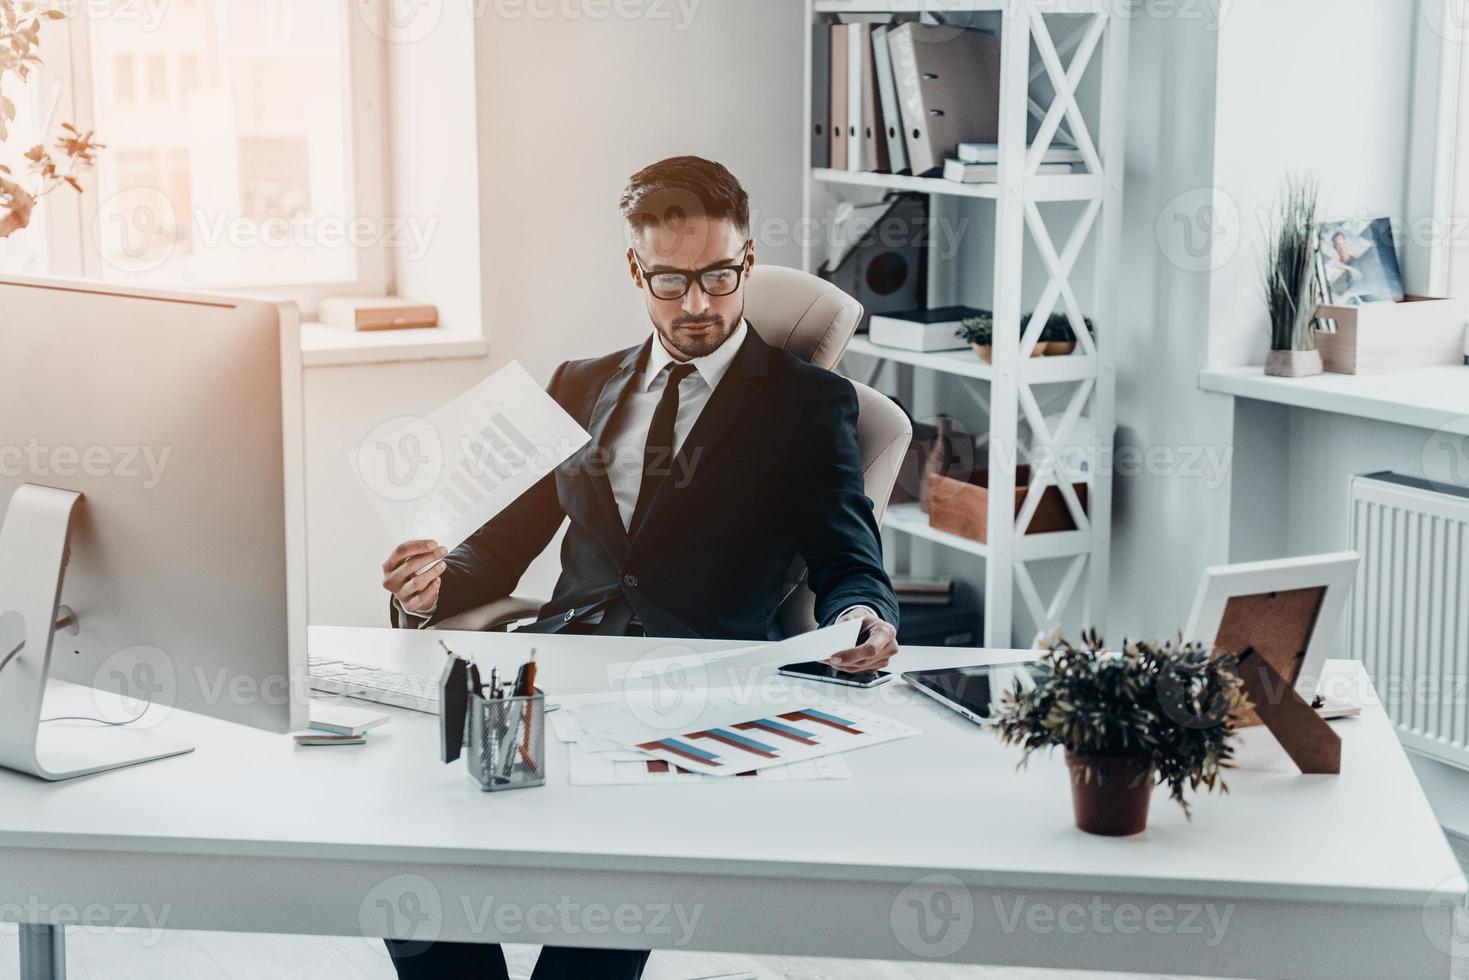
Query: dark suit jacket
[775, 473]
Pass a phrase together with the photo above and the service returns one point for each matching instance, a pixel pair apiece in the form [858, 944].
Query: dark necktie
[658, 451]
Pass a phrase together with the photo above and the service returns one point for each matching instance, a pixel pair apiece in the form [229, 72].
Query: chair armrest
[493, 615]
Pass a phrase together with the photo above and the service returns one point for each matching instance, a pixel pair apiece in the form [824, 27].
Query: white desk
[1288, 875]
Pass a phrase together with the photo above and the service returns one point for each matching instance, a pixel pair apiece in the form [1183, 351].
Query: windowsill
[323, 345]
[1425, 398]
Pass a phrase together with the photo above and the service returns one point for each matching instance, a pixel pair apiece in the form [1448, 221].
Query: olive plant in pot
[1150, 714]
[1056, 338]
[1290, 282]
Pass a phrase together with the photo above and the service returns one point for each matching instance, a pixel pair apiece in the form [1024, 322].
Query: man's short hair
[684, 187]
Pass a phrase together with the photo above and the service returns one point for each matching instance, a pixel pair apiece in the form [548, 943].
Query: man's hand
[877, 643]
[412, 573]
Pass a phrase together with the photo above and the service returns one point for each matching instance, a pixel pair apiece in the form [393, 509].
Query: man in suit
[715, 460]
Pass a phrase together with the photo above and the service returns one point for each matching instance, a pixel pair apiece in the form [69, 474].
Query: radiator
[1409, 621]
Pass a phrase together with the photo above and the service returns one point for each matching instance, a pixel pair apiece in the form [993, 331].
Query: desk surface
[1367, 834]
[949, 801]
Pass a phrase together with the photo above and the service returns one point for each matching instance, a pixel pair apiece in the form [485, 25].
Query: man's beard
[701, 345]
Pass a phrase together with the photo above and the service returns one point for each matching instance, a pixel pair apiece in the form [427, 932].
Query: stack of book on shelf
[899, 98]
[921, 330]
[979, 163]
[924, 591]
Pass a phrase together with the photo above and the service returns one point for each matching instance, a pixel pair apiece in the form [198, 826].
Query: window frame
[72, 249]
[1438, 131]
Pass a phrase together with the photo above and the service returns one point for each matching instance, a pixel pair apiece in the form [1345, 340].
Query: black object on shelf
[887, 270]
[959, 624]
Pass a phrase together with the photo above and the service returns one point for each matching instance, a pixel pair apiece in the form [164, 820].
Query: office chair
[813, 320]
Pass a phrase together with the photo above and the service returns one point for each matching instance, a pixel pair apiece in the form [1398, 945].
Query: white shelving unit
[1094, 41]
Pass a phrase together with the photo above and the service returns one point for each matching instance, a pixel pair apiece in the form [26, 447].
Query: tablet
[974, 692]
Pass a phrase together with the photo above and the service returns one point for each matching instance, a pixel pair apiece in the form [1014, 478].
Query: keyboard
[351, 680]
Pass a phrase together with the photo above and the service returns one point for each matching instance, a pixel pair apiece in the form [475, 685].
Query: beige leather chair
[813, 320]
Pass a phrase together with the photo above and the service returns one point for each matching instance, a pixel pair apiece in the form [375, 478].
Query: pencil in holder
[507, 742]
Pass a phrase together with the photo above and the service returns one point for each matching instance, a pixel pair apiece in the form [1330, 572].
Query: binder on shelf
[820, 96]
[837, 86]
[874, 140]
[948, 84]
[859, 36]
[887, 92]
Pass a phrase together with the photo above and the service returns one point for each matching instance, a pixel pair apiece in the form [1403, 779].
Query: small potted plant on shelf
[1290, 282]
[1057, 337]
[979, 331]
[1149, 714]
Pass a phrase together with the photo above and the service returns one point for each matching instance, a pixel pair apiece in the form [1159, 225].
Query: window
[229, 160]
[122, 78]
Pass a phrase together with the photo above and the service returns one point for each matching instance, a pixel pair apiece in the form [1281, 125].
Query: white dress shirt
[626, 441]
[626, 444]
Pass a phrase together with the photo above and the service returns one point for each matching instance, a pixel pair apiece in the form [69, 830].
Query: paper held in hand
[444, 474]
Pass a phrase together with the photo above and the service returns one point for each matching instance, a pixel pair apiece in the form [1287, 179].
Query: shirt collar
[712, 367]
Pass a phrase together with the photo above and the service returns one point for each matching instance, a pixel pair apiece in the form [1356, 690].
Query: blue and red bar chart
[776, 739]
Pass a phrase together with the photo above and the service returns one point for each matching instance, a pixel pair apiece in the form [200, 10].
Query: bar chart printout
[775, 739]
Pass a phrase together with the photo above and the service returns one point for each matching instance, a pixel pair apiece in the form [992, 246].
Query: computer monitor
[177, 418]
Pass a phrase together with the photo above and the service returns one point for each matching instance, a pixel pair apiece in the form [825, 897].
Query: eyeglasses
[717, 280]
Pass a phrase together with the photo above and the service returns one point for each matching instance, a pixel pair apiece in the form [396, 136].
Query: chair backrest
[814, 320]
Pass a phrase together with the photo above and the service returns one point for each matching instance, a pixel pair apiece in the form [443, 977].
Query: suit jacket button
[569, 614]
[631, 581]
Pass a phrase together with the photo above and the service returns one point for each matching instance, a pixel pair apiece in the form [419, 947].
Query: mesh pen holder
[506, 742]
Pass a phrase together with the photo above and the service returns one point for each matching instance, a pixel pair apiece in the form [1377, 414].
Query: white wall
[1319, 87]
[565, 109]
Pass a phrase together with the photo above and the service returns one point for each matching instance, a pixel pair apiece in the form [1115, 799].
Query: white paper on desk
[443, 475]
[723, 668]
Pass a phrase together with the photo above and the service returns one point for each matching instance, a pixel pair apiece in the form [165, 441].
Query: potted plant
[20, 33]
[1149, 714]
[1290, 282]
[1057, 338]
[979, 331]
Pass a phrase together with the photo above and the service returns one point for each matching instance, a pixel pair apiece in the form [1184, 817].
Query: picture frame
[1332, 575]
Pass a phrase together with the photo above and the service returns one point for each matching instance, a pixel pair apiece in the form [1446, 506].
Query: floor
[137, 955]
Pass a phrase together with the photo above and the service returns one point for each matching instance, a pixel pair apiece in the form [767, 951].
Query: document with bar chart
[587, 768]
[444, 474]
[731, 739]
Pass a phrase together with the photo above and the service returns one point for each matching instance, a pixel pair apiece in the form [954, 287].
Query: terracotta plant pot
[1113, 807]
[1057, 348]
[987, 352]
[1293, 363]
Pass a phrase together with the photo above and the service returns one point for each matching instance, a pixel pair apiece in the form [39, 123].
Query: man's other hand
[412, 573]
[877, 643]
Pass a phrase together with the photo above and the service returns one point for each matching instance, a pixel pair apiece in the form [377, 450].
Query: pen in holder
[507, 741]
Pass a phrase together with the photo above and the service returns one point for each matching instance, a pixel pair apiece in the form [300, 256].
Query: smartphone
[816, 671]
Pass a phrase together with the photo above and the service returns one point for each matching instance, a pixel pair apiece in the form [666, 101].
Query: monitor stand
[33, 556]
